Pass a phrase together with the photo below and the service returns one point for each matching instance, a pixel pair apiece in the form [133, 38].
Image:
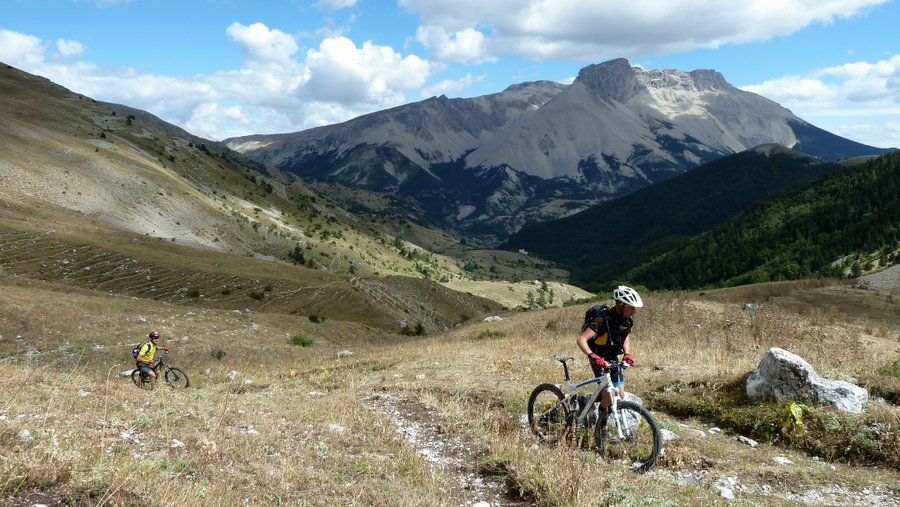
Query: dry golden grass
[301, 433]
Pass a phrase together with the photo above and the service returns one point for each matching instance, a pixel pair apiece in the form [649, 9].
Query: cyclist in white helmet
[607, 335]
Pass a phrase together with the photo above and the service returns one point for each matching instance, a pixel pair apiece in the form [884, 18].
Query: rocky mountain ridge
[483, 167]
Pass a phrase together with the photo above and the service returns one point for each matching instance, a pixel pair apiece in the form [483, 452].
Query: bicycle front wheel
[638, 444]
[177, 378]
[548, 416]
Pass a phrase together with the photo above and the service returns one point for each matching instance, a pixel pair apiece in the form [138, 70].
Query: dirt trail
[456, 455]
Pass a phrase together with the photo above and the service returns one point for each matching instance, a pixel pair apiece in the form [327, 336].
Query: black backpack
[136, 350]
[592, 314]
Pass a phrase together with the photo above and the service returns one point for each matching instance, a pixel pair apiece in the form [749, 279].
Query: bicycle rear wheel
[639, 446]
[177, 378]
[548, 416]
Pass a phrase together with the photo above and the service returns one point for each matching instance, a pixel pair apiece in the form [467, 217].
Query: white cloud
[69, 47]
[260, 43]
[857, 86]
[466, 46]
[590, 30]
[451, 85]
[21, 50]
[341, 72]
[826, 97]
[273, 92]
[335, 5]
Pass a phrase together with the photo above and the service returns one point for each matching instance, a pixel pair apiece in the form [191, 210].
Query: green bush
[193, 292]
[419, 330]
[486, 335]
[257, 294]
[301, 341]
[315, 318]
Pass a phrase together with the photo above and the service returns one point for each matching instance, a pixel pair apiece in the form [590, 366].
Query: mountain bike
[172, 376]
[624, 433]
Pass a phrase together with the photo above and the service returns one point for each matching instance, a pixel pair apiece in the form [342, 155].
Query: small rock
[667, 436]
[493, 318]
[337, 428]
[715, 429]
[315, 394]
[83, 393]
[176, 444]
[420, 376]
[25, 435]
[781, 460]
[344, 353]
[725, 486]
[748, 441]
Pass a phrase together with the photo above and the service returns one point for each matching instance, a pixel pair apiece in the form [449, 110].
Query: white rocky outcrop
[785, 376]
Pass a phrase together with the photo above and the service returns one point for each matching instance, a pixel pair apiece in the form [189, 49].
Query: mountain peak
[615, 79]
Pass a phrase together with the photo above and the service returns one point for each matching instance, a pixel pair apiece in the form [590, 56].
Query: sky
[226, 68]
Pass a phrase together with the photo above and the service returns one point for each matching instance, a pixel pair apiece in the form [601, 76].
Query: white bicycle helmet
[628, 296]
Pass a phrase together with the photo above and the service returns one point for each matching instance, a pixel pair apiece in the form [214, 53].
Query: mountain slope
[601, 244]
[102, 197]
[484, 167]
[852, 216]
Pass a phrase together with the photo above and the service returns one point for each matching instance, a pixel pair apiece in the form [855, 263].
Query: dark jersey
[607, 323]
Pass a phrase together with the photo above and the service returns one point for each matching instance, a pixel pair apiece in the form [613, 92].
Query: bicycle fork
[618, 417]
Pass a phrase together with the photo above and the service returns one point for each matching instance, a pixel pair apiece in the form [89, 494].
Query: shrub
[486, 335]
[218, 354]
[193, 292]
[257, 294]
[301, 341]
[315, 318]
[418, 331]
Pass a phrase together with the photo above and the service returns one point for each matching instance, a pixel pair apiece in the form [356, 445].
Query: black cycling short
[616, 374]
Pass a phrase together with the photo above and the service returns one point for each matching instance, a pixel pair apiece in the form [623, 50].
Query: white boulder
[785, 376]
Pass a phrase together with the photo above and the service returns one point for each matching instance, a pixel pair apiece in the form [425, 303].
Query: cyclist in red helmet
[607, 336]
[145, 358]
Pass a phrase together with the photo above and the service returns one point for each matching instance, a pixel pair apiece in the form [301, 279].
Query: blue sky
[223, 68]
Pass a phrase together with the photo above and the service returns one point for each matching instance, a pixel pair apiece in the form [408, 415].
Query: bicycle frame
[604, 383]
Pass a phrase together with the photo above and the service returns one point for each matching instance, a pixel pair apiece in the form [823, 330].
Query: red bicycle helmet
[154, 335]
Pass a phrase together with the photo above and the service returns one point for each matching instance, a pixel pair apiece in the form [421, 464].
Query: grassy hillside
[600, 245]
[64, 156]
[300, 425]
[852, 217]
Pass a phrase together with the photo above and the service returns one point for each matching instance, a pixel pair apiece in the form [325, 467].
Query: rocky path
[424, 428]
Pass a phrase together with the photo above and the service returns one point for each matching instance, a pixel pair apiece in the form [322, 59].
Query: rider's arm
[582, 340]
[626, 345]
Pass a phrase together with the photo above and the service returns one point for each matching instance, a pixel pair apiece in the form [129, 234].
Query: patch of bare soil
[457, 455]
[72, 497]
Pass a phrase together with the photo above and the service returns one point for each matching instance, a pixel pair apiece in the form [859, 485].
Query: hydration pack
[592, 314]
[136, 350]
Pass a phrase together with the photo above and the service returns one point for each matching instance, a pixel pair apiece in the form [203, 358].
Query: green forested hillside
[851, 215]
[601, 244]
